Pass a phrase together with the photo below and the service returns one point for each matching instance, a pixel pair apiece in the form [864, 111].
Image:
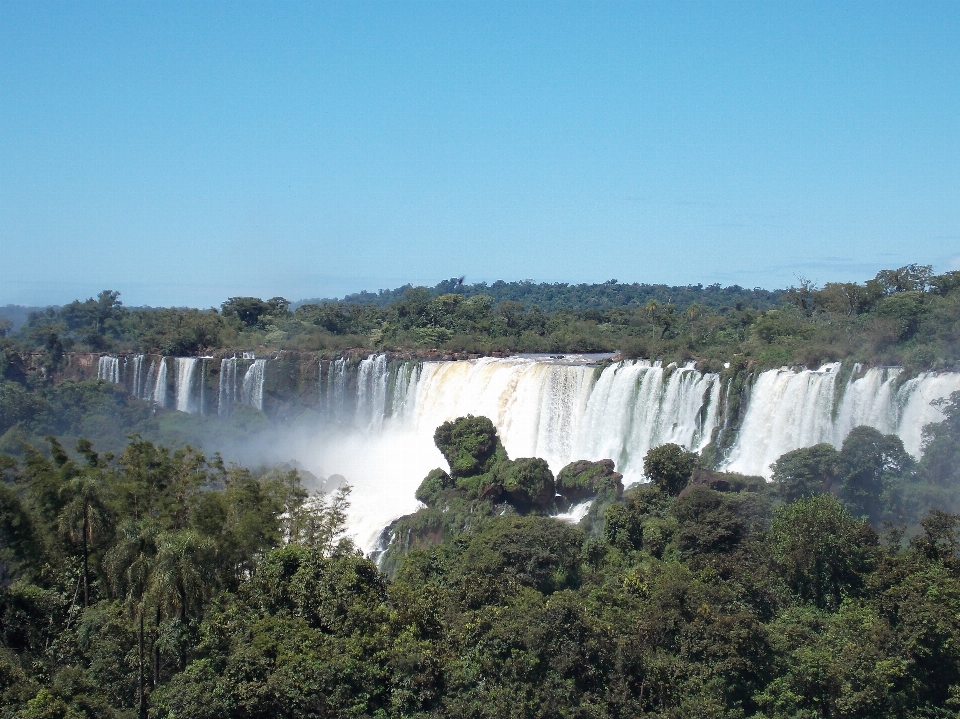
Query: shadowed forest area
[166, 584]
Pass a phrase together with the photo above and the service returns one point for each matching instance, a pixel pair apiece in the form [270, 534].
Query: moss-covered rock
[725, 482]
[432, 486]
[470, 445]
[583, 479]
[526, 482]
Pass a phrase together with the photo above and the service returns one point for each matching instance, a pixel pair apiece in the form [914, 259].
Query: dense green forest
[908, 316]
[142, 577]
[166, 584]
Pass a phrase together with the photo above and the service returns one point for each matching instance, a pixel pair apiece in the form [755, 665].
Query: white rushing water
[564, 411]
[188, 385]
[558, 410]
[789, 409]
[158, 393]
[146, 377]
[108, 368]
[251, 392]
[228, 386]
[380, 416]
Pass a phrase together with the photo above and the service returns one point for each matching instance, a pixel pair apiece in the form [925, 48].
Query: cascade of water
[251, 393]
[566, 410]
[185, 386]
[137, 384]
[561, 411]
[148, 385]
[204, 369]
[228, 385]
[158, 388]
[337, 380]
[372, 381]
[108, 368]
[636, 406]
[914, 405]
[402, 401]
[789, 409]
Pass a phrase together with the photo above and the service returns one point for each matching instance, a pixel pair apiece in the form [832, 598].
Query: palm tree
[651, 308]
[129, 565]
[83, 518]
[182, 575]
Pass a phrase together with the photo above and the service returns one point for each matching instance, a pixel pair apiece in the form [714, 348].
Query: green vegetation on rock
[583, 479]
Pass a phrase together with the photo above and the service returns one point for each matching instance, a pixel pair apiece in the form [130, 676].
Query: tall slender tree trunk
[156, 650]
[86, 586]
[183, 628]
[142, 699]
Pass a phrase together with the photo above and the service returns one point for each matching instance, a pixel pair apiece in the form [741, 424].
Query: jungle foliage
[166, 584]
[908, 316]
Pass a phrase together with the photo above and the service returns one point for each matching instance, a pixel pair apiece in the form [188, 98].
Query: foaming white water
[108, 368]
[251, 392]
[379, 416]
[157, 382]
[789, 409]
[372, 381]
[563, 412]
[575, 513]
[556, 410]
[383, 470]
[187, 394]
[137, 385]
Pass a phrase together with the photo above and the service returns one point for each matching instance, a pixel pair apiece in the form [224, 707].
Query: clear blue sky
[184, 153]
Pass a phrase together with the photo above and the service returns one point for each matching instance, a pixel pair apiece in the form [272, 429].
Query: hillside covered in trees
[141, 577]
[166, 584]
[908, 316]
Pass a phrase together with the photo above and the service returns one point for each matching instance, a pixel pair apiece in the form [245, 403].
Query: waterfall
[372, 382]
[133, 371]
[565, 410]
[108, 368]
[149, 382]
[228, 386]
[251, 392]
[157, 382]
[332, 391]
[204, 368]
[337, 386]
[138, 377]
[187, 390]
[562, 411]
[401, 400]
[789, 409]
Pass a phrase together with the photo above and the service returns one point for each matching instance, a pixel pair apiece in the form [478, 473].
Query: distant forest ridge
[17, 315]
[553, 296]
[907, 316]
[548, 296]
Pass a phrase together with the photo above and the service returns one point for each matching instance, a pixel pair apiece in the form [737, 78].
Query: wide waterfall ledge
[377, 415]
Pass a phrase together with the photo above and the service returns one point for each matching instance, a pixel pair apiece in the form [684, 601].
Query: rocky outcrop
[583, 479]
